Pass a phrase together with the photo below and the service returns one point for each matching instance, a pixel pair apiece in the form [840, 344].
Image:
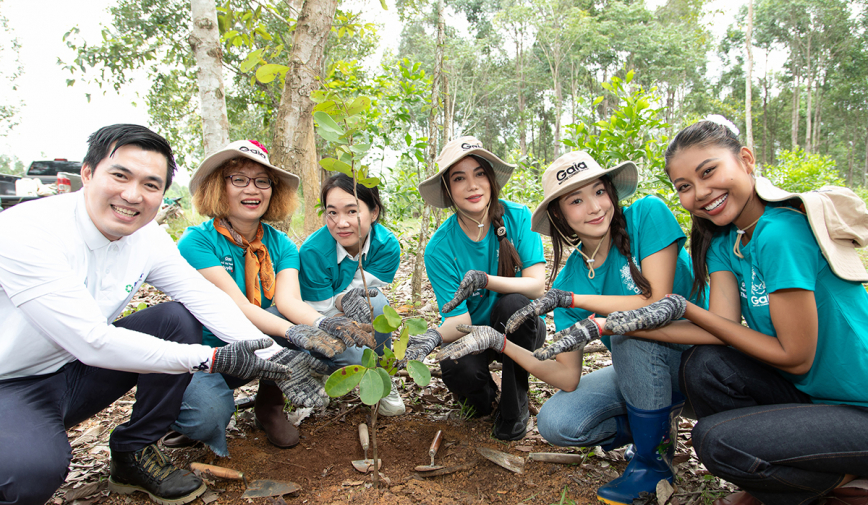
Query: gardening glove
[238, 359]
[473, 280]
[555, 298]
[356, 305]
[314, 339]
[656, 315]
[420, 346]
[478, 339]
[570, 339]
[351, 332]
[303, 387]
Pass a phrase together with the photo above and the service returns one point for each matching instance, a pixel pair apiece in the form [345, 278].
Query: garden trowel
[365, 465]
[508, 461]
[432, 451]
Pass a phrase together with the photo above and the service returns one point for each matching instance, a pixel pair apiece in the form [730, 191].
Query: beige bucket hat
[574, 170]
[250, 149]
[453, 152]
[839, 220]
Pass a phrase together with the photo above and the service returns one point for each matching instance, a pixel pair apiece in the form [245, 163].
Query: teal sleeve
[789, 256]
[287, 253]
[717, 258]
[527, 242]
[198, 249]
[655, 227]
[315, 285]
[384, 261]
[444, 277]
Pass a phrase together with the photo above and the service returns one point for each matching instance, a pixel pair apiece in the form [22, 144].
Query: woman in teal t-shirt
[622, 258]
[782, 403]
[484, 263]
[331, 273]
[257, 266]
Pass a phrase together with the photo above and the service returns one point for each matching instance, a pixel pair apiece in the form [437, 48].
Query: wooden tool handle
[435, 444]
[217, 471]
[363, 436]
[556, 457]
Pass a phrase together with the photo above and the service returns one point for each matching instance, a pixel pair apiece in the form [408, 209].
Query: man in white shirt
[69, 265]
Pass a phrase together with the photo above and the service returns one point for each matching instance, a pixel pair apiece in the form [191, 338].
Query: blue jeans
[758, 431]
[209, 403]
[35, 411]
[643, 374]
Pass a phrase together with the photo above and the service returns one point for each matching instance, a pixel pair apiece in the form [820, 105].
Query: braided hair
[617, 229]
[509, 262]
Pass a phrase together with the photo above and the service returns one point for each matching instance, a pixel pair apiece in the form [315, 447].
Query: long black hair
[617, 228]
[508, 259]
[702, 231]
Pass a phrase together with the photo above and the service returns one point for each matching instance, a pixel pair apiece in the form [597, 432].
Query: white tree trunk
[205, 42]
[748, 84]
[293, 144]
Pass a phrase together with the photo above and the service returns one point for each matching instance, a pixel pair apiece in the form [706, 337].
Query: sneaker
[510, 429]
[148, 470]
[392, 405]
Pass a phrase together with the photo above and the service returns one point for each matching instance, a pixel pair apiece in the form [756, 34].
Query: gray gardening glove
[421, 346]
[356, 306]
[314, 339]
[555, 298]
[303, 387]
[570, 339]
[473, 280]
[656, 315]
[351, 332]
[238, 360]
[478, 339]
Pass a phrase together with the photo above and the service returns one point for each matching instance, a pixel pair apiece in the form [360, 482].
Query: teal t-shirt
[203, 247]
[450, 254]
[783, 254]
[322, 277]
[651, 228]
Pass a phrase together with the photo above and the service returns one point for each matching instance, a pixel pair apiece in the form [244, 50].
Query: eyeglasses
[242, 181]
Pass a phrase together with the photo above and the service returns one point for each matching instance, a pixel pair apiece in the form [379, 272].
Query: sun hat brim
[239, 149]
[624, 176]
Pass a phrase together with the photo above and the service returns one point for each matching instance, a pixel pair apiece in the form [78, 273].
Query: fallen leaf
[352, 483]
[664, 491]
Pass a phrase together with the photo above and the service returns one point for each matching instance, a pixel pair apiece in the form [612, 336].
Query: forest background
[531, 80]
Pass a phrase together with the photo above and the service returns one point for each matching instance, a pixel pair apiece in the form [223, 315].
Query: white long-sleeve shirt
[63, 283]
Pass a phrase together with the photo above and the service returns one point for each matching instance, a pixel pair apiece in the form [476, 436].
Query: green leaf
[251, 61]
[401, 345]
[388, 361]
[420, 373]
[383, 4]
[325, 121]
[141, 306]
[369, 182]
[269, 72]
[360, 148]
[371, 387]
[597, 101]
[369, 358]
[387, 381]
[329, 135]
[344, 380]
[334, 165]
[417, 326]
[360, 104]
[381, 324]
[392, 316]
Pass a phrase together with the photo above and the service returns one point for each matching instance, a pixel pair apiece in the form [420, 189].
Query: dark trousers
[758, 431]
[36, 411]
[469, 378]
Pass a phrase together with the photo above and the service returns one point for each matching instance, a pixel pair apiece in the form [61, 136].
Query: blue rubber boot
[654, 437]
[623, 436]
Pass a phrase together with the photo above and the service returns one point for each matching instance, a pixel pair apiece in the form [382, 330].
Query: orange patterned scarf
[257, 262]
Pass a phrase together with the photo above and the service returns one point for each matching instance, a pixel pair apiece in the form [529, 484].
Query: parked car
[46, 172]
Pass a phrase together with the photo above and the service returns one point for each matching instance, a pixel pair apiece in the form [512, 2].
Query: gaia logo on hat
[467, 146]
[570, 171]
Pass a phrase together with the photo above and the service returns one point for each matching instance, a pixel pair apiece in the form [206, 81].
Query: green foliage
[11, 165]
[799, 171]
[564, 499]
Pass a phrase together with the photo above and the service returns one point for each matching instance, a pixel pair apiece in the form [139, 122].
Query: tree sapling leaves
[369, 359]
[401, 345]
[392, 316]
[371, 387]
[381, 324]
[344, 380]
[417, 326]
[419, 372]
[326, 122]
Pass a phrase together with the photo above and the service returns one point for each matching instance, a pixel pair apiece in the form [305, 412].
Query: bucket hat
[838, 219]
[574, 170]
[454, 151]
[249, 149]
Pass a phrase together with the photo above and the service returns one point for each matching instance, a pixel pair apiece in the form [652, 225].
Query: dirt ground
[321, 463]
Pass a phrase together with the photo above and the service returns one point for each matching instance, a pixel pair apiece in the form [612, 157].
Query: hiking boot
[148, 470]
[510, 429]
[269, 416]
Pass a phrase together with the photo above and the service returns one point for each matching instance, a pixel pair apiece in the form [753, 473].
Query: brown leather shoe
[739, 498]
[269, 416]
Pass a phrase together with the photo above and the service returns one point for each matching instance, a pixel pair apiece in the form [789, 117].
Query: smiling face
[588, 210]
[124, 192]
[714, 183]
[470, 187]
[247, 204]
[342, 219]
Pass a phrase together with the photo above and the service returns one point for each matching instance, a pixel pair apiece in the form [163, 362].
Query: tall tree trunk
[794, 128]
[766, 115]
[809, 89]
[818, 108]
[436, 84]
[748, 82]
[851, 145]
[519, 67]
[293, 144]
[205, 42]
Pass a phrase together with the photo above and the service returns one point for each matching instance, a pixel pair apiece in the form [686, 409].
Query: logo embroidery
[228, 263]
[467, 146]
[257, 152]
[570, 171]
